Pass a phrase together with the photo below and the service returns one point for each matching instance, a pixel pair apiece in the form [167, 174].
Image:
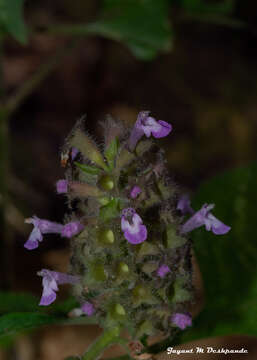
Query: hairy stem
[107, 338]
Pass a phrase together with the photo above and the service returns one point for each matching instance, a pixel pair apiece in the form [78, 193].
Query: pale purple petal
[217, 227]
[62, 186]
[135, 191]
[147, 125]
[88, 308]
[137, 131]
[132, 226]
[198, 219]
[34, 238]
[72, 229]
[74, 153]
[181, 320]
[163, 270]
[40, 227]
[158, 129]
[205, 217]
[50, 282]
[184, 205]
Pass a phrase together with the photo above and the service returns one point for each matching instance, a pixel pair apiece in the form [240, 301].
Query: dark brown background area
[206, 87]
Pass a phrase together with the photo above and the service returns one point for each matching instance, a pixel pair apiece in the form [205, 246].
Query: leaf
[88, 169]
[112, 151]
[228, 263]
[11, 18]
[201, 6]
[13, 323]
[141, 24]
[12, 302]
[110, 211]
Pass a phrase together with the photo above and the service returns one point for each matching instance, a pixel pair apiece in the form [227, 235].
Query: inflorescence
[130, 251]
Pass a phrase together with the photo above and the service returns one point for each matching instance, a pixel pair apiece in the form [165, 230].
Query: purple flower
[40, 227]
[135, 191]
[205, 217]
[72, 229]
[147, 125]
[163, 270]
[50, 282]
[181, 320]
[48, 227]
[62, 186]
[184, 205]
[88, 308]
[132, 226]
[74, 153]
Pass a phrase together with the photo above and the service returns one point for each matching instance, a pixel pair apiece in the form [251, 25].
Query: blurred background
[191, 63]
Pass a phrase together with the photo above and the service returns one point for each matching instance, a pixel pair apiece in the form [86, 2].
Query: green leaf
[228, 262]
[12, 302]
[112, 151]
[88, 169]
[201, 6]
[11, 18]
[110, 211]
[13, 323]
[141, 24]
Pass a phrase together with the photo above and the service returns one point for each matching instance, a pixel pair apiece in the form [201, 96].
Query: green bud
[107, 236]
[104, 200]
[171, 239]
[123, 268]
[139, 292]
[98, 273]
[106, 182]
[119, 310]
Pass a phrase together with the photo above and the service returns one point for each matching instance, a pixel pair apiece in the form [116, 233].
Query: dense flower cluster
[130, 251]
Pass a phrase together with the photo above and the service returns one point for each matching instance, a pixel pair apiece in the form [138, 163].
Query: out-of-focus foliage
[143, 25]
[20, 312]
[228, 263]
[203, 6]
[11, 19]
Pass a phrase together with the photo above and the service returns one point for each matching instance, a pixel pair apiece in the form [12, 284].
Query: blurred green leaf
[142, 24]
[12, 302]
[11, 19]
[14, 323]
[202, 6]
[228, 262]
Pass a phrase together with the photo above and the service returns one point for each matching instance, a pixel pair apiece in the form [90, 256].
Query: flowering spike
[147, 125]
[205, 217]
[50, 282]
[62, 186]
[132, 226]
[125, 197]
[181, 320]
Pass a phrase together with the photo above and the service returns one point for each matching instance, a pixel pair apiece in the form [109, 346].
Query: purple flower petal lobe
[181, 320]
[135, 191]
[132, 226]
[184, 205]
[62, 186]
[88, 308]
[163, 270]
[71, 229]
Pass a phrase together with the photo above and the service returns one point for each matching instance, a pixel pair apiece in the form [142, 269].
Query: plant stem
[38, 77]
[107, 338]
